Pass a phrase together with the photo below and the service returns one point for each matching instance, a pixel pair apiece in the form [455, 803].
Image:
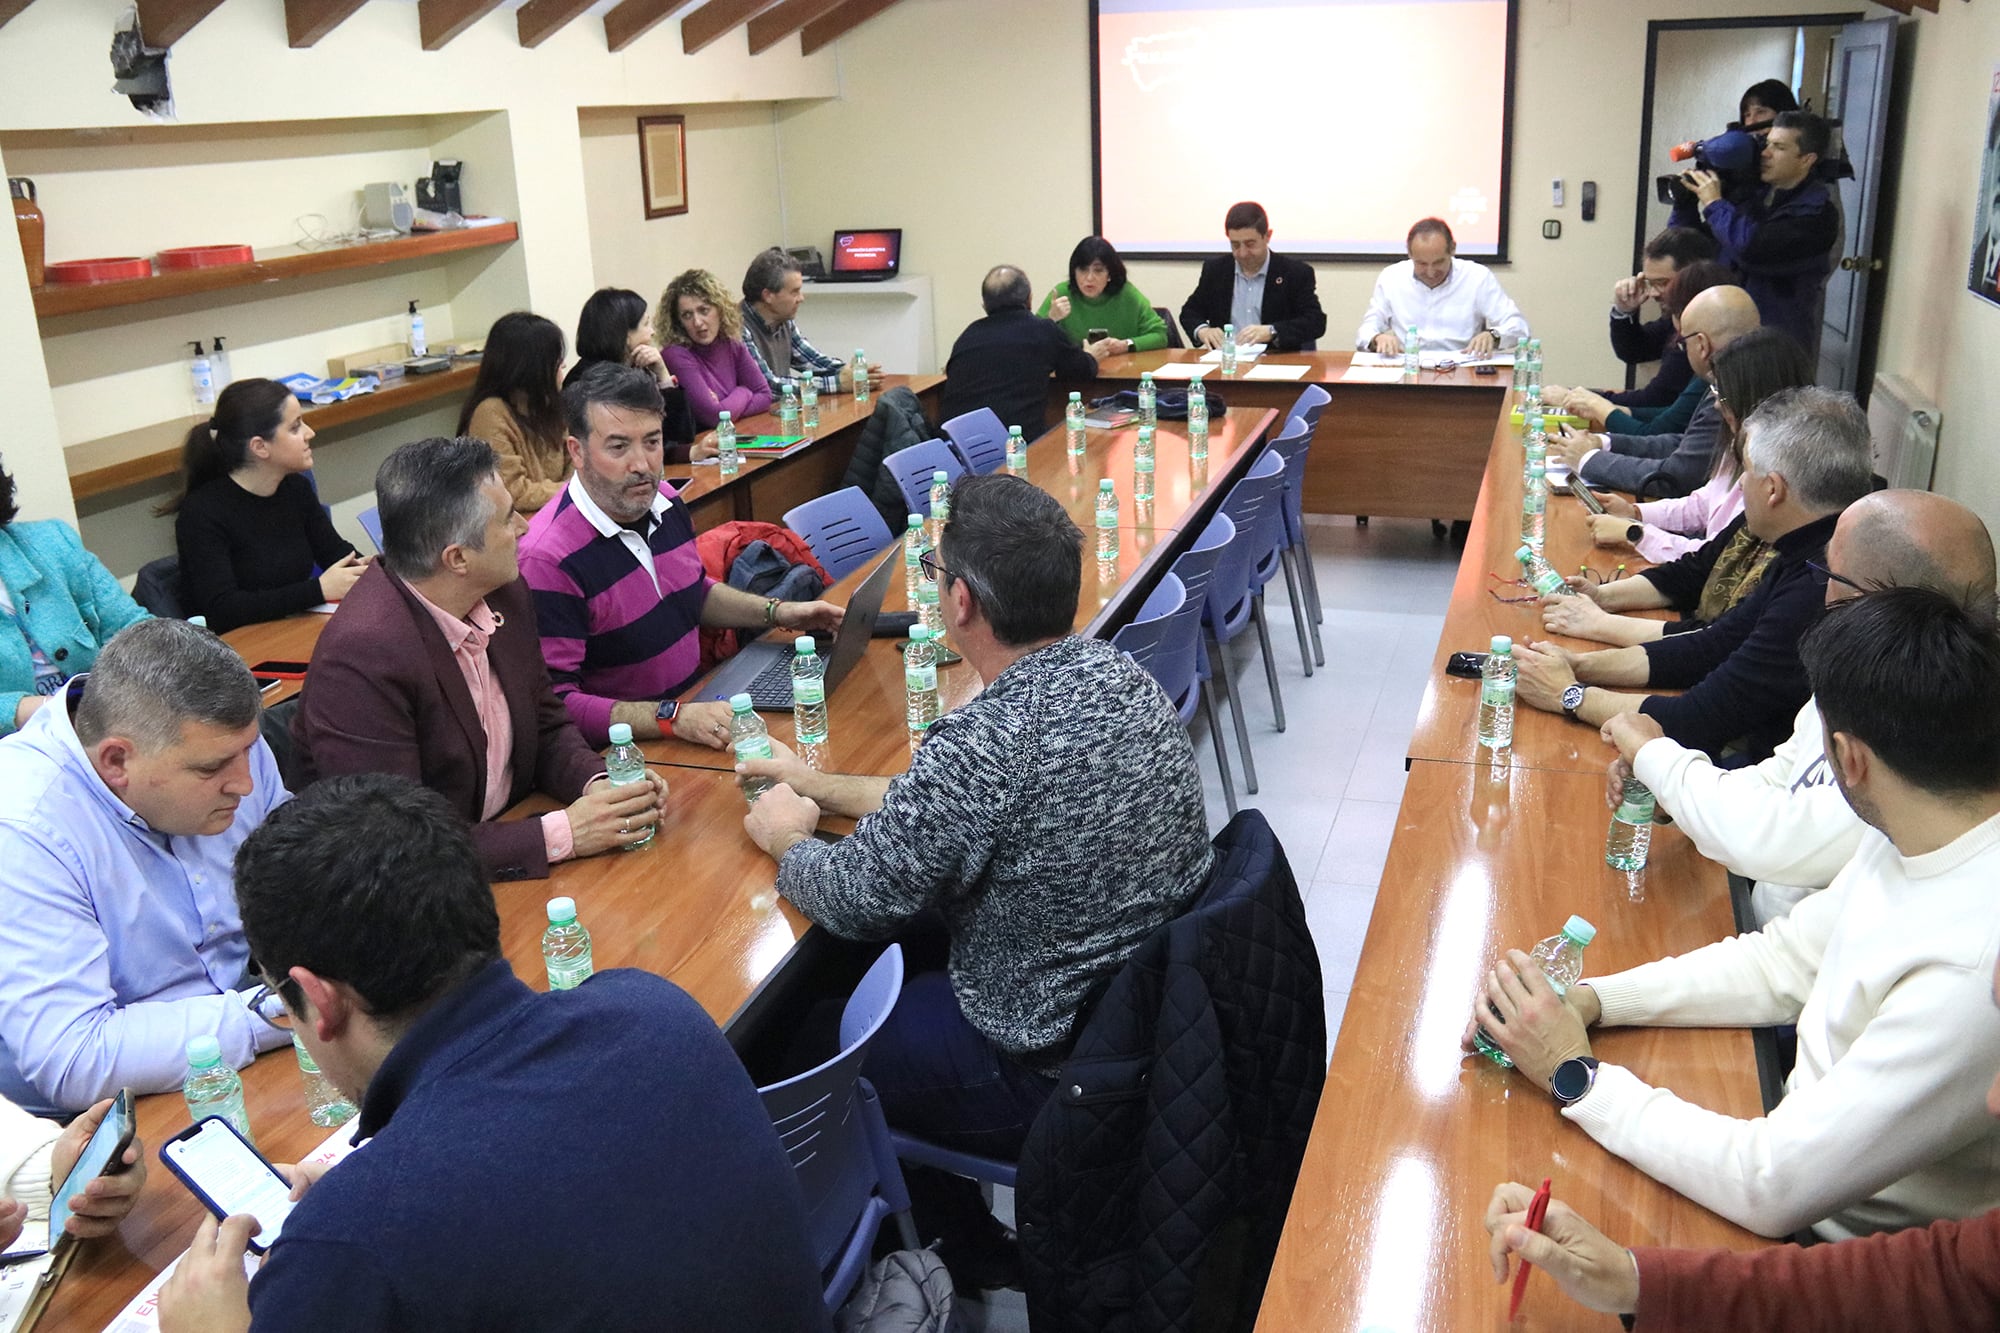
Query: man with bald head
[1676, 464]
[1783, 823]
[1004, 361]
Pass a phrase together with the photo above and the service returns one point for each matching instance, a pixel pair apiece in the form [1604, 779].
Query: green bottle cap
[919, 633]
[1579, 930]
[940, 475]
[916, 520]
[1502, 645]
[203, 1052]
[621, 733]
[1104, 485]
[741, 704]
[1524, 555]
[804, 645]
[562, 911]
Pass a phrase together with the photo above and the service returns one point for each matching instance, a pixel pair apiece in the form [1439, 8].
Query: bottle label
[570, 973]
[753, 747]
[1548, 583]
[1637, 810]
[1143, 463]
[920, 678]
[1497, 692]
[1107, 518]
[811, 691]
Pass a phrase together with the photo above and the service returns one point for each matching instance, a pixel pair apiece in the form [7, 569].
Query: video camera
[1733, 156]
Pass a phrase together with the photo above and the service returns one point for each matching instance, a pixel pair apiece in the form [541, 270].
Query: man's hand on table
[1386, 343]
[1208, 336]
[607, 817]
[1256, 333]
[1523, 1015]
[1630, 732]
[1483, 343]
[105, 1200]
[780, 820]
[705, 722]
[703, 447]
[1579, 617]
[1610, 530]
[809, 616]
[209, 1292]
[784, 766]
[1545, 671]
[1591, 1270]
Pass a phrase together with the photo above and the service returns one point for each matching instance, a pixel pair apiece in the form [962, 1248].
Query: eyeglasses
[269, 1005]
[1832, 577]
[936, 572]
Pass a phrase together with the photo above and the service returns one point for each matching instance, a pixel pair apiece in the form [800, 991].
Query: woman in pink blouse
[706, 353]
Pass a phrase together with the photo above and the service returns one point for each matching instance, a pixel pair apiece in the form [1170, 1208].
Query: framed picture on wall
[663, 177]
[1984, 275]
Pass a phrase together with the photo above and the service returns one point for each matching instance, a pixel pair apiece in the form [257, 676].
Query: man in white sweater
[1783, 823]
[36, 1156]
[1883, 1123]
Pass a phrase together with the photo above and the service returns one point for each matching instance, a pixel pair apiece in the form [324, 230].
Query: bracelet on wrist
[770, 611]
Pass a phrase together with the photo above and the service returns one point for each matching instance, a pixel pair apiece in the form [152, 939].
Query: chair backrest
[1311, 403]
[843, 530]
[1141, 636]
[1292, 446]
[1196, 566]
[979, 438]
[1164, 640]
[1256, 504]
[1174, 338]
[912, 469]
[835, 1140]
[371, 523]
[158, 587]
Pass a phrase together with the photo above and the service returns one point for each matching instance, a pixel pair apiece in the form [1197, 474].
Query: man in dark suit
[432, 670]
[1004, 360]
[1269, 298]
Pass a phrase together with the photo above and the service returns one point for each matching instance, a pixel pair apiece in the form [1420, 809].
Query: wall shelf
[280, 265]
[128, 458]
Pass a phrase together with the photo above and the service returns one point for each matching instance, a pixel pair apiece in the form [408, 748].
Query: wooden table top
[1385, 1226]
[1325, 368]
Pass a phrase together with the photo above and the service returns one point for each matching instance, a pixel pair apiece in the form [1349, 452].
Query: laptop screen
[879, 251]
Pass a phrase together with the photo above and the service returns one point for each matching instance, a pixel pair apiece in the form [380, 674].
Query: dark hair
[1247, 214]
[427, 497]
[1815, 135]
[614, 385]
[1771, 94]
[1691, 282]
[1096, 250]
[245, 411]
[1431, 227]
[608, 318]
[1755, 366]
[1019, 553]
[1915, 677]
[155, 676]
[1005, 288]
[1683, 245]
[369, 880]
[767, 273]
[7, 506]
[520, 366]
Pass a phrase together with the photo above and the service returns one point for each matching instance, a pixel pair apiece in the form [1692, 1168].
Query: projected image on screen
[1347, 119]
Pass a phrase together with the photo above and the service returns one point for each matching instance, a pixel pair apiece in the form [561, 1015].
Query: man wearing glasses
[1043, 831]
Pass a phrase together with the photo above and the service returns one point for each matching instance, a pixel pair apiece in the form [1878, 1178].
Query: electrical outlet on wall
[1556, 193]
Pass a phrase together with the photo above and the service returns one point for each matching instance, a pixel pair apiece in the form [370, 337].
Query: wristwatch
[1572, 699]
[1573, 1079]
[668, 710]
[1635, 532]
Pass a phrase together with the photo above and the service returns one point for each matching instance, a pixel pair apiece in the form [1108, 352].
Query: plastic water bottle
[725, 445]
[1149, 400]
[326, 1105]
[420, 343]
[1631, 834]
[930, 610]
[1535, 507]
[1541, 576]
[1496, 695]
[750, 741]
[566, 947]
[1531, 404]
[914, 545]
[1229, 349]
[1560, 957]
[920, 682]
[860, 375]
[808, 693]
[1535, 366]
[1413, 350]
[1017, 451]
[624, 764]
[809, 405]
[940, 506]
[1142, 466]
[1197, 418]
[212, 1088]
[1107, 521]
[1537, 446]
[1073, 425]
[788, 403]
[201, 376]
[1520, 373]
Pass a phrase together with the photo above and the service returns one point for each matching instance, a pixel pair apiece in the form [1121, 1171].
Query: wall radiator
[1903, 425]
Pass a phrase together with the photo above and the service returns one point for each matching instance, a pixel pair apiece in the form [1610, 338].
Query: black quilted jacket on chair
[897, 422]
[1154, 1184]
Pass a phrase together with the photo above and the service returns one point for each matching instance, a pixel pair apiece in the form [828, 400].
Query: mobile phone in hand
[230, 1177]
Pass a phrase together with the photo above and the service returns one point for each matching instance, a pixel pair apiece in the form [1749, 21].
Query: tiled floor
[1332, 781]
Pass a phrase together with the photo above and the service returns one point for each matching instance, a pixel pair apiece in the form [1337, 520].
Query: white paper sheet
[1244, 352]
[1374, 374]
[1274, 372]
[17, 1288]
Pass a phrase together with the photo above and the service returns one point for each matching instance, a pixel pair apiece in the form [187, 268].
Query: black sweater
[248, 558]
[1004, 362]
[1741, 674]
[1636, 344]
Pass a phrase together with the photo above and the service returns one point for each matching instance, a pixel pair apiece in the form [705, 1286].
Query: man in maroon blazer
[432, 670]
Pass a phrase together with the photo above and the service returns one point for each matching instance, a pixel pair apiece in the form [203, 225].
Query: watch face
[1573, 697]
[1570, 1081]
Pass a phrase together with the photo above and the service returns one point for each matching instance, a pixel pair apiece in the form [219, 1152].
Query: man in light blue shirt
[122, 804]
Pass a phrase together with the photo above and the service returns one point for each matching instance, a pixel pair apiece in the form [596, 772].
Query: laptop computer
[874, 255]
[763, 669]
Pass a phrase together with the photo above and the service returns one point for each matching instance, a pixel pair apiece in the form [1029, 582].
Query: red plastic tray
[204, 256]
[121, 269]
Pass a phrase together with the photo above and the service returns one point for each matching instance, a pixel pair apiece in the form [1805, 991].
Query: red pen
[1538, 1208]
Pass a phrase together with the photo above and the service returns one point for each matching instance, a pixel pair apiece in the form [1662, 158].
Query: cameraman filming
[1781, 232]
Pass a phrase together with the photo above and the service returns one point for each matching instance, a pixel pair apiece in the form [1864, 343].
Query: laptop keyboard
[772, 687]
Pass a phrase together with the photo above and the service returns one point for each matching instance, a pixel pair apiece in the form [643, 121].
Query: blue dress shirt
[1246, 306]
[121, 943]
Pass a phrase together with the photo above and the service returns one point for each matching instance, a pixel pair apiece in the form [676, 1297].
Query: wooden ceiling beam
[306, 21]
[716, 20]
[830, 28]
[775, 24]
[9, 8]
[439, 21]
[635, 18]
[164, 22]
[539, 20]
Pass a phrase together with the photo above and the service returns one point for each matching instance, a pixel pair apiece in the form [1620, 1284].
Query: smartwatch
[668, 710]
[1635, 532]
[1572, 699]
[1573, 1079]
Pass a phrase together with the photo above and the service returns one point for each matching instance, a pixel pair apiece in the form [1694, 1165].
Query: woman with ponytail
[249, 525]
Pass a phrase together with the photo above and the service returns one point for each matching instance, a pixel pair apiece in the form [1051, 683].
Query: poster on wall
[1984, 278]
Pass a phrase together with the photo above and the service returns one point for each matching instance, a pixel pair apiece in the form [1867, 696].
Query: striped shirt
[616, 625]
[804, 360]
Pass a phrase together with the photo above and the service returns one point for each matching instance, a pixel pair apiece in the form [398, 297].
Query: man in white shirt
[1884, 1122]
[1456, 305]
[1784, 823]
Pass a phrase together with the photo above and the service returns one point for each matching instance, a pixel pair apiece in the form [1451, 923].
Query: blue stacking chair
[1196, 569]
[832, 1127]
[1274, 555]
[1165, 639]
[1300, 578]
[1311, 403]
[843, 529]
[1236, 593]
[912, 469]
[371, 523]
[980, 440]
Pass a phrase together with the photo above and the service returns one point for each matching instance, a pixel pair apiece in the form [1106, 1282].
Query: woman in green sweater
[1097, 296]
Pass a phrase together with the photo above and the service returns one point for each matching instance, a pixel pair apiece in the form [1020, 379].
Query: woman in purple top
[706, 353]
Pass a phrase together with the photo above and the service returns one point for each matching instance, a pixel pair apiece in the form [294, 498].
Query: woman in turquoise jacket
[58, 606]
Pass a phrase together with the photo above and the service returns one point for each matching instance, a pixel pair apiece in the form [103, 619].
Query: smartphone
[104, 1155]
[1097, 335]
[1468, 666]
[230, 1177]
[1583, 493]
[1486, 370]
[276, 670]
